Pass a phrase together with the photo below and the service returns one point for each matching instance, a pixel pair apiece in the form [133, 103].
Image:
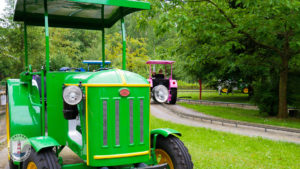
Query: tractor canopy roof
[160, 62]
[84, 14]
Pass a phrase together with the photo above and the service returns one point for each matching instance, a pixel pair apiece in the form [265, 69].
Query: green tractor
[102, 116]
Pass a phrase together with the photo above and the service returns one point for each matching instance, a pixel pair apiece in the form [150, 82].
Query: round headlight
[72, 95]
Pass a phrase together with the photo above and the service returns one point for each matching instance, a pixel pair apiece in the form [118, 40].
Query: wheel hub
[31, 165]
[163, 157]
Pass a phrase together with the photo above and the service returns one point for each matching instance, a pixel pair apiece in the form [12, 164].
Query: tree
[213, 32]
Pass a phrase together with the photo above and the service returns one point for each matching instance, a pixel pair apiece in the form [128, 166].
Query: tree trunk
[282, 106]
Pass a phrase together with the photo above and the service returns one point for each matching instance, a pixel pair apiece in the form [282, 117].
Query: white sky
[2, 6]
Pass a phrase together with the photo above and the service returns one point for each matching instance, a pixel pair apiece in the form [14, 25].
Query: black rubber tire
[173, 96]
[11, 165]
[175, 148]
[45, 159]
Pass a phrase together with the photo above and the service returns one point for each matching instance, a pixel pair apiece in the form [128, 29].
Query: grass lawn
[243, 115]
[213, 149]
[214, 96]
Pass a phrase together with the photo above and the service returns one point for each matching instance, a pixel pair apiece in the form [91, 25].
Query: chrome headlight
[72, 95]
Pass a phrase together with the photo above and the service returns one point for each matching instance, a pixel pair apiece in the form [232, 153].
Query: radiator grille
[141, 121]
[117, 122]
[105, 122]
[131, 121]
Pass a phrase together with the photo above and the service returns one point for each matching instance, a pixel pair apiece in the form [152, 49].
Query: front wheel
[45, 159]
[172, 151]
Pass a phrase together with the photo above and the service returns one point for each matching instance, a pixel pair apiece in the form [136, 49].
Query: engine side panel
[24, 117]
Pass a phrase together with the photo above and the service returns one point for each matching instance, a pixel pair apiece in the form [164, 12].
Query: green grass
[213, 149]
[243, 115]
[214, 96]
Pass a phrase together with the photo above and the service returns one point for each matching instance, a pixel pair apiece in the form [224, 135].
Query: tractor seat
[39, 84]
[160, 76]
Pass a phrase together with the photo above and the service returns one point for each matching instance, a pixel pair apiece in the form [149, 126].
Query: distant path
[166, 113]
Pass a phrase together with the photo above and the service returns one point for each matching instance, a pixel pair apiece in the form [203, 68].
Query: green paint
[41, 142]
[103, 48]
[123, 3]
[24, 117]
[124, 44]
[96, 125]
[103, 38]
[25, 46]
[165, 132]
[43, 101]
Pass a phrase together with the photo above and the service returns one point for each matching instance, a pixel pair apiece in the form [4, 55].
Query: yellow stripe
[100, 157]
[122, 76]
[7, 129]
[87, 125]
[111, 85]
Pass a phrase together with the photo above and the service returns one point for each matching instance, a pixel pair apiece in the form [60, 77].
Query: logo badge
[19, 147]
[124, 92]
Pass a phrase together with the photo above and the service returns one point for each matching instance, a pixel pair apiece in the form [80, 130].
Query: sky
[2, 6]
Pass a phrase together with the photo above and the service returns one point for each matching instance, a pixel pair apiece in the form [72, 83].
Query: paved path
[165, 113]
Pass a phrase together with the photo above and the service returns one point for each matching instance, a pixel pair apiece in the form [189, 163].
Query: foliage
[220, 39]
[185, 85]
[136, 53]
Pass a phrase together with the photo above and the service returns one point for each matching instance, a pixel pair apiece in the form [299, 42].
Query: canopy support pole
[103, 39]
[124, 43]
[103, 48]
[25, 46]
[47, 36]
[47, 66]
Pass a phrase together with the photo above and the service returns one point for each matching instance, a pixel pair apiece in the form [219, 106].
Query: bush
[294, 89]
[266, 93]
[185, 85]
[266, 96]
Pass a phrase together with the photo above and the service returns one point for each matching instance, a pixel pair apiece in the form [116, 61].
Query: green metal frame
[124, 44]
[25, 46]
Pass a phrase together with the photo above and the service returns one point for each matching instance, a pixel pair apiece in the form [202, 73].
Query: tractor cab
[163, 87]
[102, 117]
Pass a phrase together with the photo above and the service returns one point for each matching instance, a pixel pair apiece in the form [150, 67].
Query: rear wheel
[45, 159]
[173, 96]
[172, 151]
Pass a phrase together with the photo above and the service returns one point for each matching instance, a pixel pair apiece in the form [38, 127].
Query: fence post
[200, 89]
